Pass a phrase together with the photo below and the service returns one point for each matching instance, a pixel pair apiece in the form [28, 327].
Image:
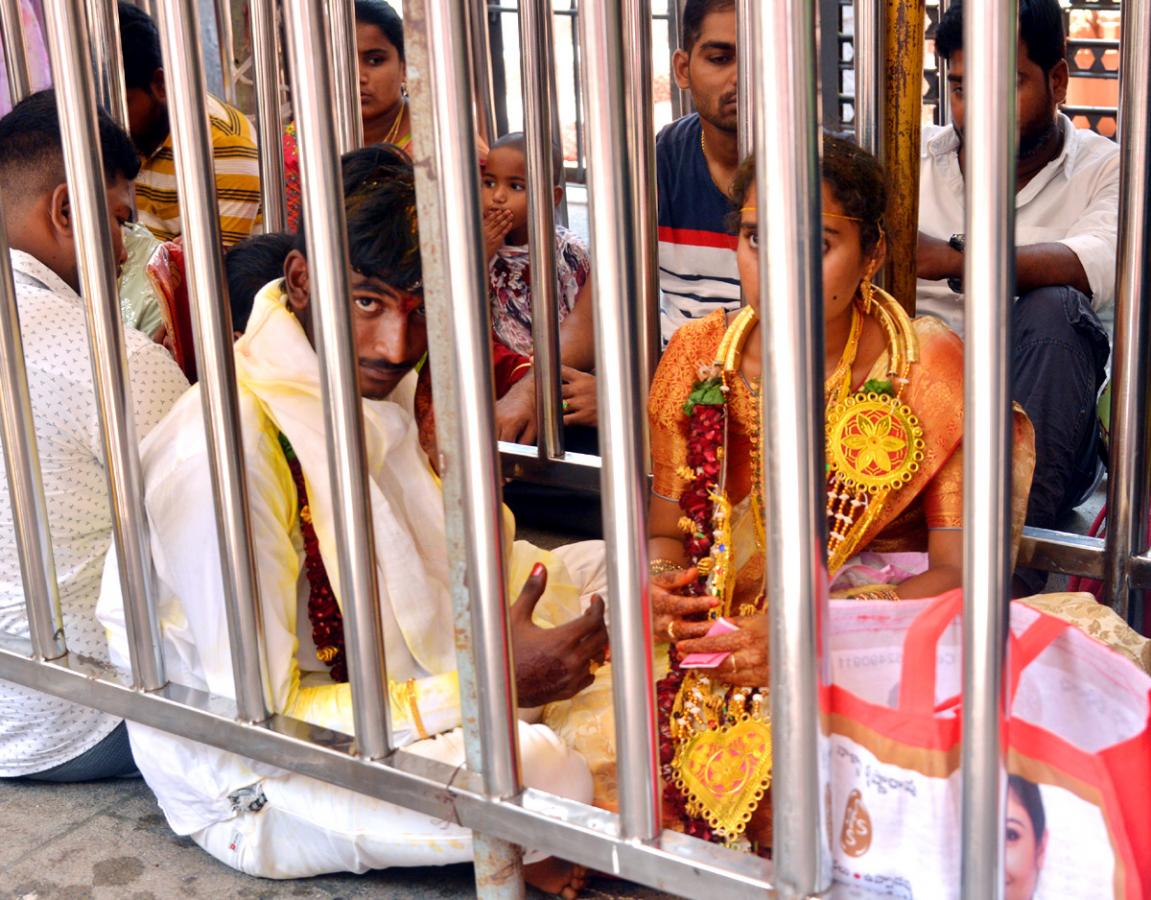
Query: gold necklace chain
[394, 131]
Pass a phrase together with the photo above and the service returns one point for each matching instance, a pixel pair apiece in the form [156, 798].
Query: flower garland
[323, 611]
[706, 410]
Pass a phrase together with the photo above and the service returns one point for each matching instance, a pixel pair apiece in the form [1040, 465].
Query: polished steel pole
[179, 24]
[68, 32]
[481, 61]
[459, 329]
[990, 31]
[745, 97]
[1127, 488]
[104, 19]
[331, 303]
[15, 55]
[223, 14]
[266, 74]
[22, 468]
[345, 98]
[791, 309]
[639, 106]
[536, 67]
[617, 234]
[869, 47]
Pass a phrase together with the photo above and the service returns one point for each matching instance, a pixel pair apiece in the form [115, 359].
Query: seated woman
[893, 395]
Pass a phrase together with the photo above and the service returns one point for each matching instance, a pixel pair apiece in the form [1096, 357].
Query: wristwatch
[957, 242]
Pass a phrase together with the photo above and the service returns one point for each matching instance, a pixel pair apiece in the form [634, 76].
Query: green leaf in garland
[705, 393]
[878, 386]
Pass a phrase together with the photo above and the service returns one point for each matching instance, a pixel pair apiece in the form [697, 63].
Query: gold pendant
[724, 774]
[874, 442]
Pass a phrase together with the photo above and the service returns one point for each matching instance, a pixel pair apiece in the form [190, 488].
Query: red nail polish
[538, 570]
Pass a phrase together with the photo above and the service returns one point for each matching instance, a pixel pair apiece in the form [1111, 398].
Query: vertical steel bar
[745, 97]
[481, 60]
[617, 234]
[22, 468]
[345, 98]
[535, 65]
[791, 307]
[266, 74]
[640, 156]
[869, 49]
[1127, 489]
[76, 95]
[15, 54]
[223, 15]
[330, 301]
[104, 19]
[990, 32]
[455, 285]
[179, 24]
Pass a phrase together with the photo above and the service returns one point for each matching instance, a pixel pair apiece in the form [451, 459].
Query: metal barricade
[488, 796]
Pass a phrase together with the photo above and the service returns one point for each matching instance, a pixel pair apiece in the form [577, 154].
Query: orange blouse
[934, 497]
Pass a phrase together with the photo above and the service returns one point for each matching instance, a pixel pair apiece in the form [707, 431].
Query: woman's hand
[675, 616]
[579, 397]
[748, 665]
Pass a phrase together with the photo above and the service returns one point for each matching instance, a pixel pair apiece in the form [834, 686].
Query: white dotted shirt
[37, 731]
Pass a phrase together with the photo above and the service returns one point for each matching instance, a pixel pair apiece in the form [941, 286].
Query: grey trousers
[1059, 358]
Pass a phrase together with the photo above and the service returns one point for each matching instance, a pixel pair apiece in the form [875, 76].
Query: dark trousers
[1059, 356]
[111, 758]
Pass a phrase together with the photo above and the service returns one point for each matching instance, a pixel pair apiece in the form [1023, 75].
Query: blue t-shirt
[697, 268]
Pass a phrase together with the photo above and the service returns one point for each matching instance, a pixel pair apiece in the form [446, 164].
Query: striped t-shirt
[237, 165]
[697, 268]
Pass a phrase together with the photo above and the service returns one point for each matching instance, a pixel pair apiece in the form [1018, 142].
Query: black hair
[519, 141]
[691, 19]
[381, 14]
[856, 179]
[1041, 28]
[249, 266]
[380, 207]
[139, 46]
[32, 149]
[1027, 792]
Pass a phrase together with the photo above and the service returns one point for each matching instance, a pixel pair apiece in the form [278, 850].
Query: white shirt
[39, 732]
[1073, 200]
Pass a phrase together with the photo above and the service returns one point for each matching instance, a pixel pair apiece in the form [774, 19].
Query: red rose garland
[323, 611]
[706, 420]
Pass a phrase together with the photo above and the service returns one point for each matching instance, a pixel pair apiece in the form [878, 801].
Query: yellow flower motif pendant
[725, 773]
[874, 442]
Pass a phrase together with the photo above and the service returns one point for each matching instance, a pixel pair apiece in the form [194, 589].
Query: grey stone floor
[109, 841]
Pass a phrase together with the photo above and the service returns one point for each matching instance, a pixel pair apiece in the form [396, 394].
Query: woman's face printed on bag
[1023, 851]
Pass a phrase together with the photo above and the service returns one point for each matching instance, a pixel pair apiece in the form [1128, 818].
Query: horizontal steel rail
[549, 824]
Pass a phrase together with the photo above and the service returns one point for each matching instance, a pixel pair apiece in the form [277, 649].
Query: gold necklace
[394, 131]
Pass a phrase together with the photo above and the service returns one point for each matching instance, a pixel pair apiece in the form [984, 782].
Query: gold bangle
[874, 592]
[523, 365]
[659, 566]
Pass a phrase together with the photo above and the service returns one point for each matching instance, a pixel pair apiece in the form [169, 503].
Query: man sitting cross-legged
[257, 818]
[42, 737]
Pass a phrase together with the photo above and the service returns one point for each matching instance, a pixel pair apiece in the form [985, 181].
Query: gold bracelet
[874, 592]
[659, 566]
[523, 365]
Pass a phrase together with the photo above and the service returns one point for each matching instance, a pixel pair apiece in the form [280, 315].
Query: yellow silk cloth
[278, 369]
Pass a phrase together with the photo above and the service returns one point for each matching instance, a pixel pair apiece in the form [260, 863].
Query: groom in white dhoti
[255, 817]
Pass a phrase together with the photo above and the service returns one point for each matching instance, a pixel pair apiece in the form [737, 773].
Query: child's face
[505, 185]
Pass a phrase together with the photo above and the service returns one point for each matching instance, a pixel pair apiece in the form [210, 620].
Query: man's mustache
[382, 365]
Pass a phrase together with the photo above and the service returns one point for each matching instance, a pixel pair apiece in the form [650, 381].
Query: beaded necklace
[323, 611]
